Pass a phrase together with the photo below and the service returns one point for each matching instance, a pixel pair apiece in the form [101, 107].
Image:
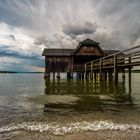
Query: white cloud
[9, 60]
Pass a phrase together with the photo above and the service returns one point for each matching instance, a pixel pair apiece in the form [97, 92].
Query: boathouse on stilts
[72, 60]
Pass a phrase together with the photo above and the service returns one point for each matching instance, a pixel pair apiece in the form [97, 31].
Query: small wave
[69, 128]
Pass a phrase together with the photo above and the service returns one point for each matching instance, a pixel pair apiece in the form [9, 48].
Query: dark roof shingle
[57, 52]
[89, 42]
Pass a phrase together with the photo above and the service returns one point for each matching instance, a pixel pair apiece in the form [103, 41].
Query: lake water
[30, 104]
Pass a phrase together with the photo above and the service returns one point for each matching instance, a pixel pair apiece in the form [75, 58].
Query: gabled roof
[69, 52]
[57, 52]
[88, 42]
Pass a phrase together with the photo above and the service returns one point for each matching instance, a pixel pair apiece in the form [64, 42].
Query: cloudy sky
[29, 26]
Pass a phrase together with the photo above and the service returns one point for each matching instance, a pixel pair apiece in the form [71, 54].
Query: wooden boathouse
[72, 60]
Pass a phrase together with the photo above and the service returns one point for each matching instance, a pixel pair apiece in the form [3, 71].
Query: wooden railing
[114, 63]
[124, 59]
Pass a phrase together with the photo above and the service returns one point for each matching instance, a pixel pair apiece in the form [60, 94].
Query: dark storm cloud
[17, 12]
[78, 29]
[44, 40]
[12, 37]
[6, 52]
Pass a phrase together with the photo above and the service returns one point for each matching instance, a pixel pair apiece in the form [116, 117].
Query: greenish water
[60, 107]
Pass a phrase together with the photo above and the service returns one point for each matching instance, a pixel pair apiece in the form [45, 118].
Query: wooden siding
[89, 50]
[58, 64]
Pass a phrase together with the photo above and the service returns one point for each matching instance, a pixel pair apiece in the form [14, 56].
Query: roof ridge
[89, 41]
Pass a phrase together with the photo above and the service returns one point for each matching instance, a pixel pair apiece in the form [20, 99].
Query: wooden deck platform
[114, 63]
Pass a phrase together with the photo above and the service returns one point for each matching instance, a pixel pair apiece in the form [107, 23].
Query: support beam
[47, 73]
[100, 69]
[79, 75]
[53, 75]
[58, 75]
[105, 76]
[110, 77]
[72, 66]
[54, 67]
[115, 68]
[129, 74]
[123, 73]
[86, 71]
[95, 77]
[69, 75]
[58, 68]
[91, 73]
[82, 75]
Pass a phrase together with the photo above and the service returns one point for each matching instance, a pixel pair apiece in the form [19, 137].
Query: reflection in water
[84, 96]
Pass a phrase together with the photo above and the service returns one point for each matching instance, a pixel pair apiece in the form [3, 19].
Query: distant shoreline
[133, 71]
[2, 72]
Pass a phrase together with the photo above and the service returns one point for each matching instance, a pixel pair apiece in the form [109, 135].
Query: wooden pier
[109, 66]
[90, 61]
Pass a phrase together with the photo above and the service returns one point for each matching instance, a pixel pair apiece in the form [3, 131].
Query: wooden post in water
[77, 75]
[100, 69]
[47, 71]
[105, 76]
[115, 68]
[58, 67]
[86, 71]
[88, 75]
[68, 75]
[91, 73]
[72, 67]
[53, 75]
[58, 75]
[110, 77]
[129, 73]
[82, 75]
[95, 77]
[54, 64]
[123, 73]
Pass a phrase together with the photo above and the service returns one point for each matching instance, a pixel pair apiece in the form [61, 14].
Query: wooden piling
[105, 76]
[82, 75]
[91, 73]
[68, 75]
[47, 73]
[110, 77]
[79, 75]
[123, 73]
[129, 74]
[100, 70]
[95, 77]
[115, 68]
[58, 75]
[85, 71]
[53, 75]
[58, 68]
[87, 75]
